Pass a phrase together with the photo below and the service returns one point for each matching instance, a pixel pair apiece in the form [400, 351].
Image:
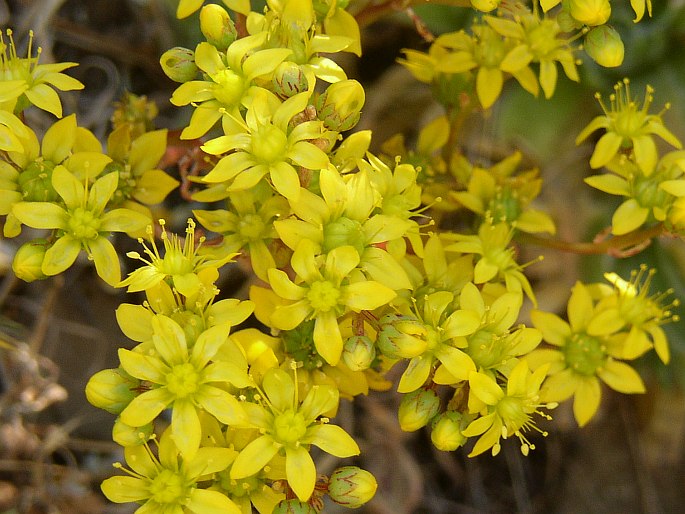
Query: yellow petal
[586, 400]
[621, 377]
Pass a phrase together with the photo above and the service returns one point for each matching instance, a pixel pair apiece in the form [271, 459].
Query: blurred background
[55, 448]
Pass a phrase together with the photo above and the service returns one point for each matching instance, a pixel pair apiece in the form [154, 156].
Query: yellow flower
[443, 330]
[324, 295]
[24, 82]
[496, 262]
[538, 40]
[498, 194]
[81, 224]
[506, 413]
[289, 425]
[181, 263]
[135, 159]
[342, 216]
[628, 129]
[248, 226]
[26, 169]
[185, 379]
[168, 482]
[630, 307]
[264, 144]
[495, 343]
[231, 82]
[586, 352]
[649, 196]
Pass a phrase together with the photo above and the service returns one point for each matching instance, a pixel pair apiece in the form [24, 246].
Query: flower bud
[293, 507]
[351, 486]
[417, 409]
[446, 431]
[590, 12]
[339, 107]
[217, 26]
[126, 435]
[289, 80]
[401, 337]
[28, 261]
[358, 353]
[603, 44]
[485, 5]
[111, 390]
[178, 64]
[676, 215]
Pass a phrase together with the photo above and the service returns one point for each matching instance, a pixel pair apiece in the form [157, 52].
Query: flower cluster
[651, 186]
[606, 327]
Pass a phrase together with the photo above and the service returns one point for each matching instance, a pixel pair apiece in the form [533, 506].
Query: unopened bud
[111, 390]
[178, 64]
[446, 431]
[28, 261]
[351, 486]
[293, 507]
[401, 337]
[590, 12]
[126, 435]
[417, 409]
[289, 80]
[676, 215]
[603, 44]
[339, 107]
[359, 353]
[485, 5]
[217, 26]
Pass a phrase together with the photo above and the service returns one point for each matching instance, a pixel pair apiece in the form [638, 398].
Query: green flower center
[584, 354]
[629, 122]
[512, 410]
[323, 295]
[289, 427]
[648, 193]
[193, 324]
[342, 232]
[251, 227]
[83, 224]
[542, 39]
[505, 206]
[484, 349]
[35, 182]
[433, 338]
[168, 488]
[269, 144]
[183, 380]
[299, 343]
[239, 488]
[490, 51]
[398, 206]
[175, 262]
[229, 87]
[499, 257]
[126, 184]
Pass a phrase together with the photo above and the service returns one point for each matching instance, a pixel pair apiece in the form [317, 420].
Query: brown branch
[617, 246]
